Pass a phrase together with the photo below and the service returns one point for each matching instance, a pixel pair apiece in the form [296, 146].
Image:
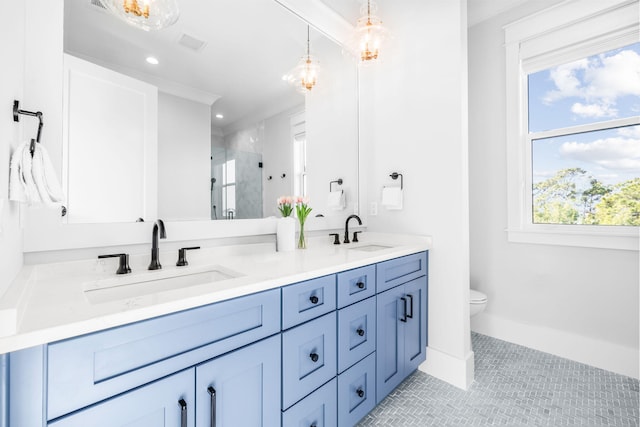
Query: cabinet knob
[313, 299]
[360, 332]
[314, 357]
[360, 285]
[360, 392]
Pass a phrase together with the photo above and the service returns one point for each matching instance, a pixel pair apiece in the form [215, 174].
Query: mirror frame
[43, 230]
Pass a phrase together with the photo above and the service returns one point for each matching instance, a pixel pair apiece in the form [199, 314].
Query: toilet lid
[476, 297]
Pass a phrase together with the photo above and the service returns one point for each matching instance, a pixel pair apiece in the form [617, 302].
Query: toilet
[477, 302]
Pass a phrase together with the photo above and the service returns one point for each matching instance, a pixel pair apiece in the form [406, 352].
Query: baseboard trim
[457, 372]
[600, 354]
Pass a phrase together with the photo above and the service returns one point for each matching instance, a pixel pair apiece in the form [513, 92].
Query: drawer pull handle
[360, 392]
[410, 316]
[183, 412]
[314, 357]
[360, 332]
[360, 285]
[313, 299]
[404, 310]
[212, 392]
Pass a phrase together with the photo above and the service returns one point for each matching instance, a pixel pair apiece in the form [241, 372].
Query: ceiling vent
[189, 42]
[97, 3]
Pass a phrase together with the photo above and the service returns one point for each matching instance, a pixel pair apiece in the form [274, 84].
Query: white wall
[12, 39]
[575, 302]
[414, 121]
[184, 158]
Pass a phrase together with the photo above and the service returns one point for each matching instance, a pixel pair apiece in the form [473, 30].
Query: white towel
[392, 198]
[45, 178]
[336, 200]
[21, 186]
[32, 179]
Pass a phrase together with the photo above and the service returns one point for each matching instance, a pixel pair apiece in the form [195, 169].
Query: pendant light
[369, 34]
[147, 15]
[305, 75]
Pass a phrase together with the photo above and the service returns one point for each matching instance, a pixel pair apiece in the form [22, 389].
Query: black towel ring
[16, 118]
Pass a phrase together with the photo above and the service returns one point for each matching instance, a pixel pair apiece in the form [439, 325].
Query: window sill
[626, 240]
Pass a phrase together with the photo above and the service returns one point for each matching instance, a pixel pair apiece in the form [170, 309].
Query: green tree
[621, 206]
[590, 198]
[555, 200]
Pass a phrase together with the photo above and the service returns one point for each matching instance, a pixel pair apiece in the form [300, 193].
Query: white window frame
[568, 31]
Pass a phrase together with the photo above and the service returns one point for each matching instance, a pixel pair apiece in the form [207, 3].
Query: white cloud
[598, 80]
[594, 110]
[629, 132]
[614, 154]
[566, 81]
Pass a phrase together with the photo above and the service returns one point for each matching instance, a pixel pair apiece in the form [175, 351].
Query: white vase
[286, 234]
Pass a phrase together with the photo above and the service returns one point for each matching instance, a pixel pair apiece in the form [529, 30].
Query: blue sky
[598, 88]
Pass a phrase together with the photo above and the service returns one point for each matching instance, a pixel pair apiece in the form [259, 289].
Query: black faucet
[346, 226]
[155, 262]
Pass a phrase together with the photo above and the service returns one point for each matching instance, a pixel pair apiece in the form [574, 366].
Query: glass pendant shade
[305, 75]
[148, 15]
[369, 34]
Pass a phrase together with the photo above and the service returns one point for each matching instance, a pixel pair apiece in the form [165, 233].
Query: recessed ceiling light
[152, 60]
[219, 116]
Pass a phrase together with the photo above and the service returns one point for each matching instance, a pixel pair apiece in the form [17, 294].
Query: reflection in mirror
[226, 58]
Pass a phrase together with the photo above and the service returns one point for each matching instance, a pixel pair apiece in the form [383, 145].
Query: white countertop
[47, 302]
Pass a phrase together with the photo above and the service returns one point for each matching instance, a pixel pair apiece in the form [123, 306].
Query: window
[585, 150]
[573, 131]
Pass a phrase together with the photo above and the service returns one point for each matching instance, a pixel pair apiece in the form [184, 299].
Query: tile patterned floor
[514, 386]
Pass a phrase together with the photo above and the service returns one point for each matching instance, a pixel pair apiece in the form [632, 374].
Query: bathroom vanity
[308, 338]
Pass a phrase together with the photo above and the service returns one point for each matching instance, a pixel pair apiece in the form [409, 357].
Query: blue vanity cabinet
[167, 402]
[401, 323]
[242, 388]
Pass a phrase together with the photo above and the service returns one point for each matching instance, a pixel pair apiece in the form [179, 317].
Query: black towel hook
[16, 118]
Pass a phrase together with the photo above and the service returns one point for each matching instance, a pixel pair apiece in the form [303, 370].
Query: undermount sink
[122, 288]
[370, 248]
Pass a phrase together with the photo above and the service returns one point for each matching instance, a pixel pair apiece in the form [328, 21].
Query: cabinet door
[390, 341]
[402, 334]
[169, 402]
[241, 388]
[415, 329]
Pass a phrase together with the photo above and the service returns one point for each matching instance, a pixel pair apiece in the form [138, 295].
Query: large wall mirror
[232, 134]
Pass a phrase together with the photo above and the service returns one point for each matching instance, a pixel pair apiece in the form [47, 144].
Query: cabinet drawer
[356, 332]
[400, 270]
[319, 409]
[87, 369]
[357, 391]
[307, 300]
[356, 285]
[156, 404]
[308, 358]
